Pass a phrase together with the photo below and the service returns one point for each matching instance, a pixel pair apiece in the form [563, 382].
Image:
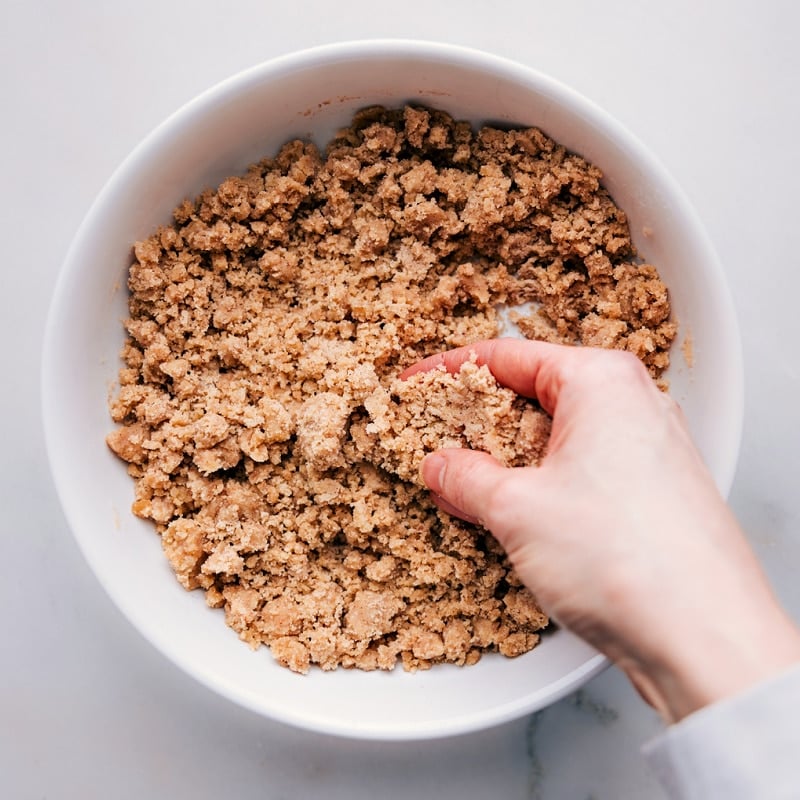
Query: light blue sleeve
[743, 748]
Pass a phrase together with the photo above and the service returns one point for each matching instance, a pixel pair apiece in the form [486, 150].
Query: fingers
[453, 359]
[542, 370]
[464, 482]
[532, 369]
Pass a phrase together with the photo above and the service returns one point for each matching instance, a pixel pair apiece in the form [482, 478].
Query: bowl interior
[312, 95]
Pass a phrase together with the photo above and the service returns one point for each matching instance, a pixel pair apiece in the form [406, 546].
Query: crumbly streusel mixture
[259, 409]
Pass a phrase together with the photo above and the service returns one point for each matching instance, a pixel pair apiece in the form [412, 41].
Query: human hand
[621, 532]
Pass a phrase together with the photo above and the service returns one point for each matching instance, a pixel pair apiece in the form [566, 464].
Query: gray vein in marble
[535, 767]
[599, 711]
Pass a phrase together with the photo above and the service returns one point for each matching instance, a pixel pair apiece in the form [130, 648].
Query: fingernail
[433, 467]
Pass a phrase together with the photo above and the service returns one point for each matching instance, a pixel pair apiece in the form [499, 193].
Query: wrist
[713, 663]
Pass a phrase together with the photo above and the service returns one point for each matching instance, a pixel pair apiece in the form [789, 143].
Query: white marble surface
[87, 707]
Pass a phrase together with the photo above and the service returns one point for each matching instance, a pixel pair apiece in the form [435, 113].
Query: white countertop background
[88, 709]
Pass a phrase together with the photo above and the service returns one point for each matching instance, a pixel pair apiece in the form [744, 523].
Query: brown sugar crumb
[259, 410]
[687, 348]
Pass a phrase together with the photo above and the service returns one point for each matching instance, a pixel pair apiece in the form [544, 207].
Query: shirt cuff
[746, 746]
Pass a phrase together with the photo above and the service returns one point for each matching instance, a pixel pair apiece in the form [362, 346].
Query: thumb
[464, 482]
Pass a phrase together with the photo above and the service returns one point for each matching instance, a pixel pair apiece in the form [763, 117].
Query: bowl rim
[314, 57]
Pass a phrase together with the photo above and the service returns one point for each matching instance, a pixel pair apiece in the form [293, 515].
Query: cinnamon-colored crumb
[687, 348]
[259, 409]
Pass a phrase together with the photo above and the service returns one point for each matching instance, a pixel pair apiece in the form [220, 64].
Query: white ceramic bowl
[312, 94]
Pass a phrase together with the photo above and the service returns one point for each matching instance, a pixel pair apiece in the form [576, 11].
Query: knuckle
[480, 487]
[625, 364]
[502, 502]
[614, 366]
[635, 369]
[459, 480]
